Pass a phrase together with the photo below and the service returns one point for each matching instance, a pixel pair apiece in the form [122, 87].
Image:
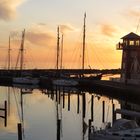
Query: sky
[106, 22]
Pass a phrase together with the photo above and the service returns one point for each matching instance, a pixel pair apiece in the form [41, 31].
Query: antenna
[58, 47]
[138, 25]
[84, 38]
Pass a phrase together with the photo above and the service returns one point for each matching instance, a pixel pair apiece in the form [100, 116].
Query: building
[130, 65]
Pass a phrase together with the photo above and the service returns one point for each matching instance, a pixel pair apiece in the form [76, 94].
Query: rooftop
[131, 36]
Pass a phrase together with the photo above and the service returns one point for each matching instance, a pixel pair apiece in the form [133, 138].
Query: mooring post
[68, 101]
[63, 99]
[59, 95]
[92, 97]
[5, 114]
[103, 112]
[113, 113]
[78, 103]
[89, 129]
[56, 99]
[58, 129]
[84, 104]
[19, 131]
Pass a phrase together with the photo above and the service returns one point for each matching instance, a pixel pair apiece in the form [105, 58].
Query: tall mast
[22, 50]
[61, 64]
[84, 38]
[9, 54]
[58, 47]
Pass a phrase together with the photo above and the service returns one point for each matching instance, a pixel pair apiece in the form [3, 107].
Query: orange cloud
[38, 38]
[8, 8]
[66, 28]
[108, 30]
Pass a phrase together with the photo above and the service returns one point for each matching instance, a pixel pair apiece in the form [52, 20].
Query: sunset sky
[107, 21]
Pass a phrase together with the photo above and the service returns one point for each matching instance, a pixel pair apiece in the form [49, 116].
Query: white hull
[65, 82]
[121, 130]
[25, 80]
[113, 137]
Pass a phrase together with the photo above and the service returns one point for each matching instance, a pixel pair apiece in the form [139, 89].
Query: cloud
[134, 12]
[66, 28]
[40, 35]
[108, 29]
[8, 9]
[38, 38]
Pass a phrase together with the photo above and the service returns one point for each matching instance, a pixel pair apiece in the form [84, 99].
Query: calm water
[38, 111]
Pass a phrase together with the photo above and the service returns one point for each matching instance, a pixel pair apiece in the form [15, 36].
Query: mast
[58, 47]
[22, 50]
[9, 54]
[84, 38]
[61, 64]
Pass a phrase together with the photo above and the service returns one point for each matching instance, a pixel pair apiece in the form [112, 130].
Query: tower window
[131, 42]
[137, 43]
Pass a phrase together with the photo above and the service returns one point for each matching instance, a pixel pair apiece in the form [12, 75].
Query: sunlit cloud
[108, 30]
[67, 28]
[134, 12]
[40, 35]
[38, 38]
[8, 9]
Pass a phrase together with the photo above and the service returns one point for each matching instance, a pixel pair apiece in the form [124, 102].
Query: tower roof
[131, 36]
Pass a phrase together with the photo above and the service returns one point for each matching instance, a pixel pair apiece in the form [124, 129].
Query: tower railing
[119, 46]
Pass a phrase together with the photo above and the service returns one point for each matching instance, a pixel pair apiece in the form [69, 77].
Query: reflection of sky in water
[40, 115]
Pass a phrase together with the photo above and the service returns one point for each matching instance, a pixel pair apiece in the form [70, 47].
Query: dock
[115, 89]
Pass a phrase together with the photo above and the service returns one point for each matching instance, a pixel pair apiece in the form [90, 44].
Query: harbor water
[40, 110]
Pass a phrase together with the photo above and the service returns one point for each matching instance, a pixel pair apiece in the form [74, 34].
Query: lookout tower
[130, 66]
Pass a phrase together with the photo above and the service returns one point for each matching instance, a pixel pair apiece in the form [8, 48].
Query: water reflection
[57, 113]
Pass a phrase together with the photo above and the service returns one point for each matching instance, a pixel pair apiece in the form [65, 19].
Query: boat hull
[25, 80]
[65, 82]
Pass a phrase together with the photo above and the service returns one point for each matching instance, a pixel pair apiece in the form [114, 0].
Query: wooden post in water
[113, 113]
[59, 95]
[92, 97]
[78, 103]
[103, 111]
[19, 131]
[84, 104]
[58, 129]
[5, 114]
[89, 128]
[68, 101]
[63, 99]
[56, 99]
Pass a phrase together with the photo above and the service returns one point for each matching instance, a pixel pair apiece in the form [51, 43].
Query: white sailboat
[24, 79]
[122, 129]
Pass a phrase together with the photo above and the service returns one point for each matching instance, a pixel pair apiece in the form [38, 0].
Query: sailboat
[24, 79]
[62, 80]
[83, 80]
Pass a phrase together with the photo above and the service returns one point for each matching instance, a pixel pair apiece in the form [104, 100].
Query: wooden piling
[5, 113]
[78, 103]
[89, 128]
[92, 106]
[68, 101]
[56, 95]
[84, 104]
[59, 95]
[103, 111]
[63, 100]
[58, 129]
[19, 131]
[113, 113]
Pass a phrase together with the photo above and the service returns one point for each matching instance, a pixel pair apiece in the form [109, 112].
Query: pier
[41, 72]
